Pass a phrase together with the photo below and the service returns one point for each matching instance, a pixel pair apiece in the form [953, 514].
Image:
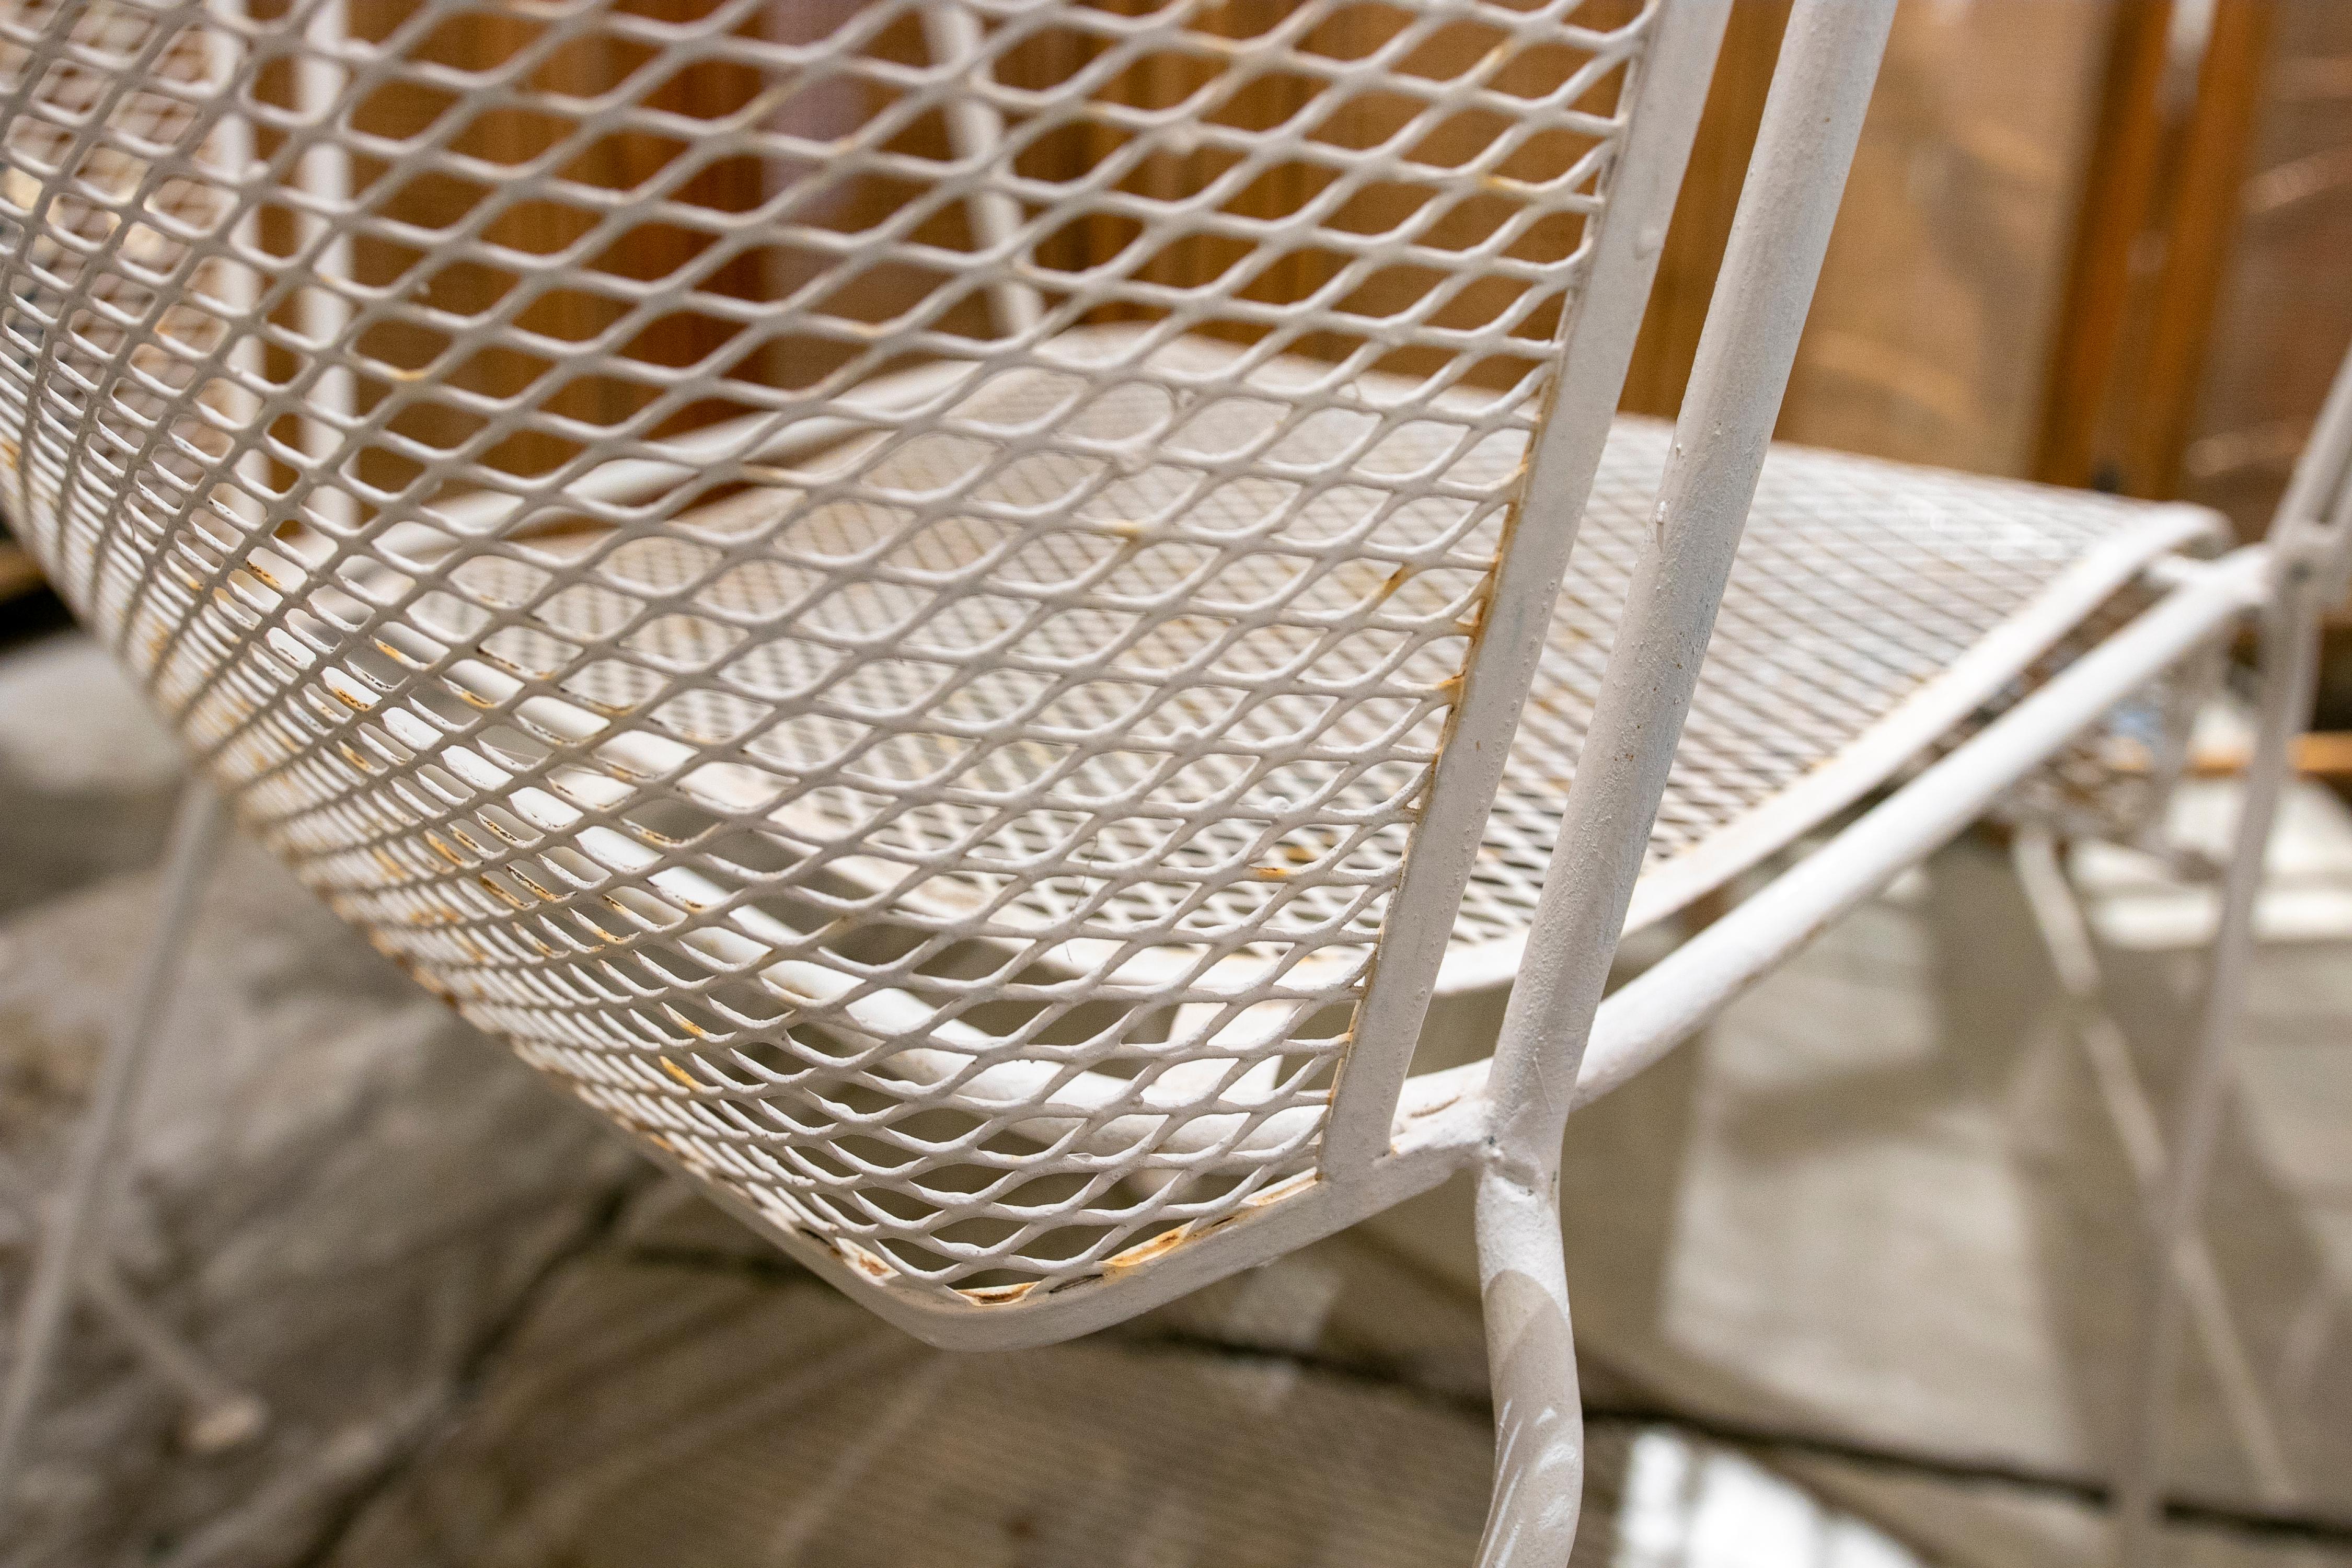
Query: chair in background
[924, 604]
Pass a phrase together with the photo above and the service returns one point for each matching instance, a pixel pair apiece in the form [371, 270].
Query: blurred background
[1849, 1268]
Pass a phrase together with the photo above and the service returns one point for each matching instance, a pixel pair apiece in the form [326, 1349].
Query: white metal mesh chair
[924, 603]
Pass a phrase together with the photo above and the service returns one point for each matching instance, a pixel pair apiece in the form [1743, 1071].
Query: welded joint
[1534, 1174]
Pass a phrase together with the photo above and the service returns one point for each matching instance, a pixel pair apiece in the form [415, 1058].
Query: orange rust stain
[865, 1262]
[1145, 1252]
[999, 1295]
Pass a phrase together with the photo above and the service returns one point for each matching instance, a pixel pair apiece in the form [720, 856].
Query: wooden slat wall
[1941, 292]
[2282, 319]
[2151, 243]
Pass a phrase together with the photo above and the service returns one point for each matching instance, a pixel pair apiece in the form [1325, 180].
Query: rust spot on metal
[865, 1262]
[999, 1295]
[1279, 1192]
[1433, 1107]
[1145, 1252]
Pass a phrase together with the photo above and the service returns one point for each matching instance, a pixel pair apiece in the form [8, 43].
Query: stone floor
[1847, 1277]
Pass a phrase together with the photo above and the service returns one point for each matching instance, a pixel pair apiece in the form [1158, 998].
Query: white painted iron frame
[2305, 568]
[1563, 1045]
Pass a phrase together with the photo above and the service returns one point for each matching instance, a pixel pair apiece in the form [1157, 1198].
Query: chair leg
[2132, 1117]
[2290, 666]
[1531, 1361]
[61, 1265]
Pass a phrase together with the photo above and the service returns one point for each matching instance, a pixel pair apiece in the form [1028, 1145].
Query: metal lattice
[1858, 584]
[879, 586]
[874, 585]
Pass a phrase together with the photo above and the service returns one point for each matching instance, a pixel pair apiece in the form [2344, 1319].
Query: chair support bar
[197, 835]
[2310, 561]
[1820, 88]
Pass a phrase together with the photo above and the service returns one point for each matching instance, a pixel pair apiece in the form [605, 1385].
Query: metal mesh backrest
[874, 586]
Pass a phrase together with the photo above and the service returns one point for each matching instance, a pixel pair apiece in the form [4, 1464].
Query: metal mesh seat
[924, 600]
[902, 657]
[1874, 611]
[880, 588]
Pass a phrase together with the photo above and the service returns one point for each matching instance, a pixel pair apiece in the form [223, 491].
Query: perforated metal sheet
[873, 586]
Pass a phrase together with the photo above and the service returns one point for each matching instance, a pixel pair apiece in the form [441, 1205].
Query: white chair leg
[61, 1265]
[2290, 666]
[1531, 1361]
[220, 1415]
[2132, 1116]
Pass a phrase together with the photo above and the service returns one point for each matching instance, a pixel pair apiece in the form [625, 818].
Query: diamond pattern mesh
[1857, 582]
[872, 584]
[876, 586]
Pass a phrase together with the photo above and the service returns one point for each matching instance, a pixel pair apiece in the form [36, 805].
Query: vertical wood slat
[2284, 318]
[2117, 197]
[1701, 226]
[2203, 223]
[2151, 249]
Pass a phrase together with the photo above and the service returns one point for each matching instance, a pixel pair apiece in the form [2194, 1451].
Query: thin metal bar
[325, 174]
[196, 834]
[2312, 538]
[1820, 88]
[1539, 1489]
[1677, 65]
[220, 1415]
[2314, 524]
[2066, 939]
[237, 283]
[975, 131]
[2290, 672]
